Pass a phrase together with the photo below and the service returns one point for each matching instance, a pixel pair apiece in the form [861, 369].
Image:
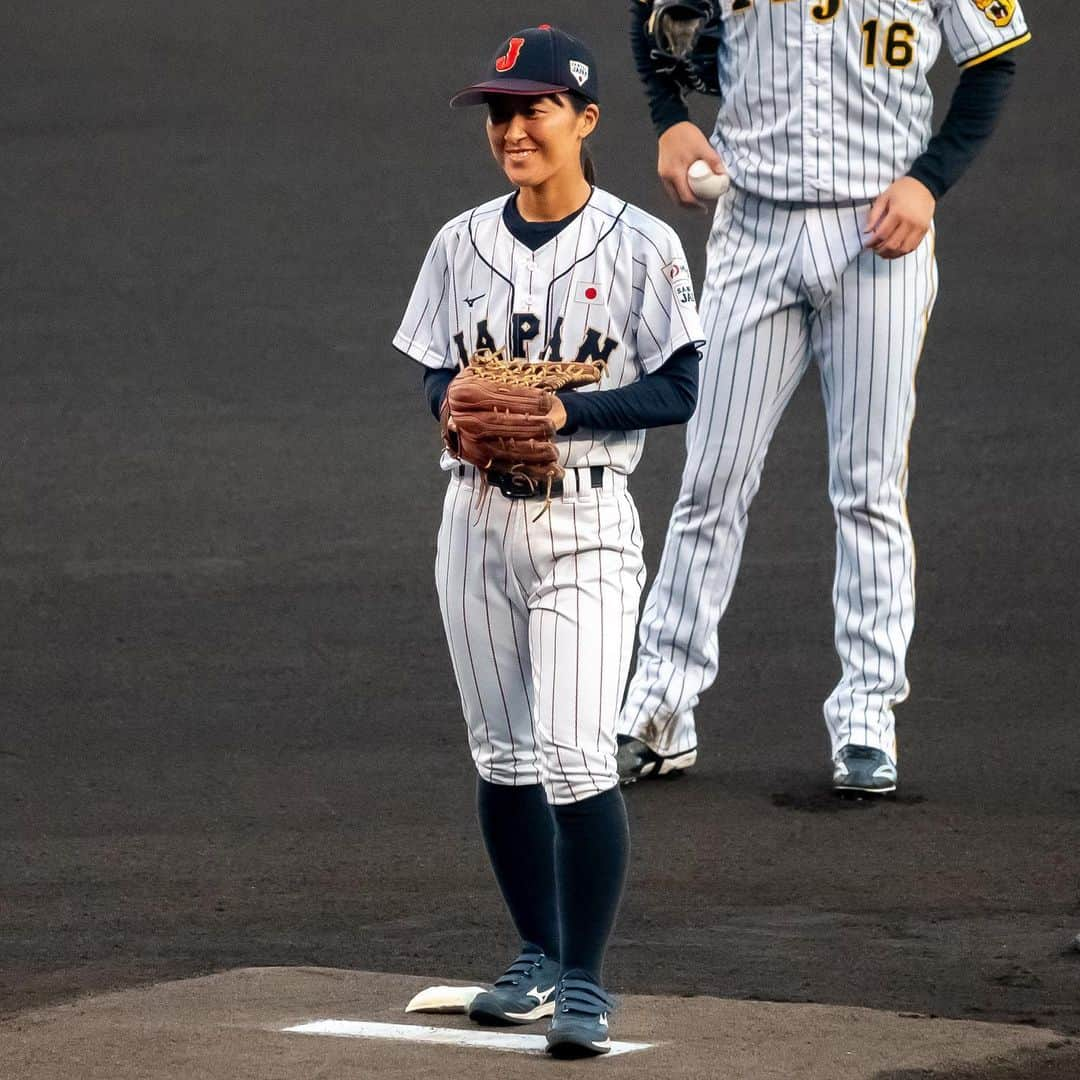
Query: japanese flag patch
[587, 292]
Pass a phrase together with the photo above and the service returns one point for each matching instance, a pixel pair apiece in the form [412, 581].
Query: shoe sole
[668, 767]
[568, 1047]
[500, 1018]
[853, 789]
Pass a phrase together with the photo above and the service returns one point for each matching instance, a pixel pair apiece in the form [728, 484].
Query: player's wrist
[671, 121]
[924, 182]
[571, 414]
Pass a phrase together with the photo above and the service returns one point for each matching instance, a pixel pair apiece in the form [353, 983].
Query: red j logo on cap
[510, 58]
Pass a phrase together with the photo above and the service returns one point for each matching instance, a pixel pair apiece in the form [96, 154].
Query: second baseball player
[822, 253]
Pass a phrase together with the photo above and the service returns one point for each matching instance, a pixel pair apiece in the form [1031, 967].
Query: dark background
[228, 729]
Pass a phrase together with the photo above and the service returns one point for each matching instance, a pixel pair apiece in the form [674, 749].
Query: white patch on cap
[580, 71]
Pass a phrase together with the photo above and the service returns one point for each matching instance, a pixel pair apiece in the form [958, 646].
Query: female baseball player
[540, 609]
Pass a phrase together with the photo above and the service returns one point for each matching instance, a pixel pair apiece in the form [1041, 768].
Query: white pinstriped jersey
[612, 285]
[828, 100]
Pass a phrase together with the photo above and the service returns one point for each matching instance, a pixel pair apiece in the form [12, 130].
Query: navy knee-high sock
[519, 833]
[592, 849]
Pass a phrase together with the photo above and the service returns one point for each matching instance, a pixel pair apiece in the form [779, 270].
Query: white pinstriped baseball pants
[787, 285]
[540, 618]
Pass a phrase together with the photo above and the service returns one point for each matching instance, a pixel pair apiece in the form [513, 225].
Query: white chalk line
[484, 1040]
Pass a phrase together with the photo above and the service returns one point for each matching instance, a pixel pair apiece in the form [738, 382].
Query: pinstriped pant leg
[756, 355]
[586, 552]
[868, 341]
[487, 630]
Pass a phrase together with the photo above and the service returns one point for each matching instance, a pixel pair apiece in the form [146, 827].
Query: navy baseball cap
[539, 60]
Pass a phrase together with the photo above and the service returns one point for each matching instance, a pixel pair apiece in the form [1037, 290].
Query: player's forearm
[667, 104]
[667, 396]
[436, 380]
[976, 105]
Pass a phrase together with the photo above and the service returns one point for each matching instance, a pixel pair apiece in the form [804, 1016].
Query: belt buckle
[514, 486]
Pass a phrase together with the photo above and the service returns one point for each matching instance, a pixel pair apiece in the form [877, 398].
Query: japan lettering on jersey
[828, 100]
[613, 286]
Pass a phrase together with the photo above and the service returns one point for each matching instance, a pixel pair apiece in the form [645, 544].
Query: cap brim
[476, 94]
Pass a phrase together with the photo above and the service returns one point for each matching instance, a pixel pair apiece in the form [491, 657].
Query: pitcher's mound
[232, 1026]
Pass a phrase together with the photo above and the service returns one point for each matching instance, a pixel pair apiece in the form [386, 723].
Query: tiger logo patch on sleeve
[999, 12]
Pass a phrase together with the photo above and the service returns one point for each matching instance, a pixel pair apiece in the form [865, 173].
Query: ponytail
[588, 166]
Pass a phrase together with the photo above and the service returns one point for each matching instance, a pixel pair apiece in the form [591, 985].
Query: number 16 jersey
[828, 100]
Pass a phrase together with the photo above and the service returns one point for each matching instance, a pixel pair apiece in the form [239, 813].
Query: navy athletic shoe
[523, 993]
[863, 770]
[637, 761]
[579, 1027]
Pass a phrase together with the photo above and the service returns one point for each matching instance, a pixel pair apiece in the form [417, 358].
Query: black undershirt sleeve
[667, 102]
[976, 104]
[666, 396]
[436, 380]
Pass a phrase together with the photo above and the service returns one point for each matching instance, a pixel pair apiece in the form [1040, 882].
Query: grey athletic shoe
[637, 761]
[579, 1027]
[523, 993]
[863, 770]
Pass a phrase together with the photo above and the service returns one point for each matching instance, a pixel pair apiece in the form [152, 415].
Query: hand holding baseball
[705, 182]
[681, 146]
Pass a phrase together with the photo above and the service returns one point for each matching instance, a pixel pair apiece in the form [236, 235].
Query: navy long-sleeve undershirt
[666, 396]
[976, 104]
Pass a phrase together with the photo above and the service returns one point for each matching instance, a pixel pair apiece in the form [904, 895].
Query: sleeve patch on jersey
[587, 292]
[676, 271]
[999, 12]
[684, 292]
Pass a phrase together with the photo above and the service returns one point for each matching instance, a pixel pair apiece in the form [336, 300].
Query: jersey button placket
[523, 287]
[817, 155]
[532, 274]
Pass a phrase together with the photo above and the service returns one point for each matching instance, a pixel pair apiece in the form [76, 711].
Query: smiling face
[535, 139]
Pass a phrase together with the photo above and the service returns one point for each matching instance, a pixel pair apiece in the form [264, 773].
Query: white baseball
[704, 183]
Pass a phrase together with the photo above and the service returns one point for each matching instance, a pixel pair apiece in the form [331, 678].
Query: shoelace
[582, 998]
[520, 969]
[863, 753]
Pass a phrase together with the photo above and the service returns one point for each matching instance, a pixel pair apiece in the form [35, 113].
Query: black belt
[515, 486]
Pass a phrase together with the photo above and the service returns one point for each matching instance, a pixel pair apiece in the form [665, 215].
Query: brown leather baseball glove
[495, 415]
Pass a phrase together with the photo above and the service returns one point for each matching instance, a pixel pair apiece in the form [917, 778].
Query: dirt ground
[271, 1024]
[229, 734]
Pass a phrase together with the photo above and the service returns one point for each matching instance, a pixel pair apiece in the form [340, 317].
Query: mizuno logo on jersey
[999, 12]
[470, 300]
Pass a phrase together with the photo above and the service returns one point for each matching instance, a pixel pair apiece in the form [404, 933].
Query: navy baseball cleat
[863, 770]
[579, 1027]
[637, 761]
[523, 993]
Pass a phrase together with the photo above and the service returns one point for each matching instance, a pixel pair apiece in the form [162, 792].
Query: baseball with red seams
[704, 183]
